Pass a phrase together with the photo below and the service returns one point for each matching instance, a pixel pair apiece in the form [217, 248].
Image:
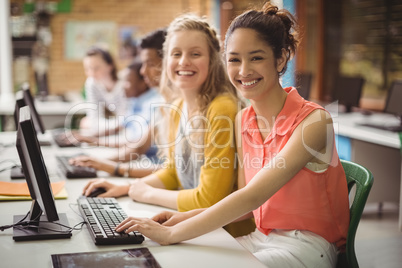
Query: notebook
[10, 191]
[134, 258]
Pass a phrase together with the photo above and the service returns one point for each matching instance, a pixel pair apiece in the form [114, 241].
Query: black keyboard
[71, 171]
[102, 216]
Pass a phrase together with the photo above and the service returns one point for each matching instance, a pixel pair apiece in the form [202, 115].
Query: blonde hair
[217, 81]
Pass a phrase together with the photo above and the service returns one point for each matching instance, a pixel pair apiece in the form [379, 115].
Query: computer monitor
[19, 102]
[24, 97]
[16, 172]
[42, 221]
[393, 103]
[348, 91]
[38, 123]
[394, 99]
[42, 84]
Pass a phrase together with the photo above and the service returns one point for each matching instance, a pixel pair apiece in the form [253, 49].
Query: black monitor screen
[39, 126]
[39, 186]
[19, 102]
[348, 91]
[394, 100]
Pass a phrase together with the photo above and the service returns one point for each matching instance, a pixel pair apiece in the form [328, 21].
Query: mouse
[96, 192]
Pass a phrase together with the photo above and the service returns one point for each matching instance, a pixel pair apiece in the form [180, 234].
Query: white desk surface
[347, 124]
[215, 249]
[51, 107]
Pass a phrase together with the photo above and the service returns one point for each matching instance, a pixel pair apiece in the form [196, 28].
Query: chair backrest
[361, 177]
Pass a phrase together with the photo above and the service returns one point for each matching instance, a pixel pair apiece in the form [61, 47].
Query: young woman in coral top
[292, 181]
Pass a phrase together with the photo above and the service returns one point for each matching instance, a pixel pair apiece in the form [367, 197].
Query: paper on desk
[20, 191]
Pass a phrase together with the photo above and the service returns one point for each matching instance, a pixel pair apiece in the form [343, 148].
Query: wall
[68, 75]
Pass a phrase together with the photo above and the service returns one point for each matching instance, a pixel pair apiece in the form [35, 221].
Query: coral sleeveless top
[313, 201]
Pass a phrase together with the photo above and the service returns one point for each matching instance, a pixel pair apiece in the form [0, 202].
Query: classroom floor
[378, 241]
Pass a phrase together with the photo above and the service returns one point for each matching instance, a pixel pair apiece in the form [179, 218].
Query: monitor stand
[40, 228]
[44, 230]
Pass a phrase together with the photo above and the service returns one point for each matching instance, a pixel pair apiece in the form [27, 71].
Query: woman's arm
[308, 142]
[241, 180]
[132, 150]
[151, 190]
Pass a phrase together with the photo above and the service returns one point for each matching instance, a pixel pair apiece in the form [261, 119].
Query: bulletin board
[80, 35]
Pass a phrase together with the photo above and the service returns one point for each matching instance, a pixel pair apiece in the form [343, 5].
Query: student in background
[151, 55]
[134, 125]
[102, 88]
[200, 169]
[291, 177]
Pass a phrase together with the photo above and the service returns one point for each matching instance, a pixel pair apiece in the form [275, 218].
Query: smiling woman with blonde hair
[202, 105]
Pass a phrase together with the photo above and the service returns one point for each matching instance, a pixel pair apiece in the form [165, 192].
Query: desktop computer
[43, 221]
[348, 91]
[392, 106]
[24, 98]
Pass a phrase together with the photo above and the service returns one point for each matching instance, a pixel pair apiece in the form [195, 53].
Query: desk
[215, 249]
[376, 149]
[53, 113]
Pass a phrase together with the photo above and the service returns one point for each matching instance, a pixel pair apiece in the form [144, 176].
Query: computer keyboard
[393, 128]
[102, 215]
[71, 171]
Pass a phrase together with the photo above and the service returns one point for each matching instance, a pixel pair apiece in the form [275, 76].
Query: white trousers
[294, 248]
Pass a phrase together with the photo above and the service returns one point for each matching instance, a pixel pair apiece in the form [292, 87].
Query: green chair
[363, 179]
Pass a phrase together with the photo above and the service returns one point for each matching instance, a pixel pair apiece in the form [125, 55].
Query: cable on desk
[67, 231]
[21, 224]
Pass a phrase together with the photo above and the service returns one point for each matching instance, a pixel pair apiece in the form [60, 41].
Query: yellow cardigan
[218, 174]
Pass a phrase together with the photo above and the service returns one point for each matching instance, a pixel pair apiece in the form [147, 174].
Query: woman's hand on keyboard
[112, 190]
[151, 229]
[77, 136]
[96, 163]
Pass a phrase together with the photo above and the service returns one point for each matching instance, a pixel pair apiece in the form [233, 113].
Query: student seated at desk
[291, 177]
[102, 88]
[134, 125]
[151, 55]
[200, 169]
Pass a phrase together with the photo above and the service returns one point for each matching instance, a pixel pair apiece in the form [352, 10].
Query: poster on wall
[80, 35]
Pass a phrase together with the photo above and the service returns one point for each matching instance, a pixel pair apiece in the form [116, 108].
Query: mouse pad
[135, 257]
